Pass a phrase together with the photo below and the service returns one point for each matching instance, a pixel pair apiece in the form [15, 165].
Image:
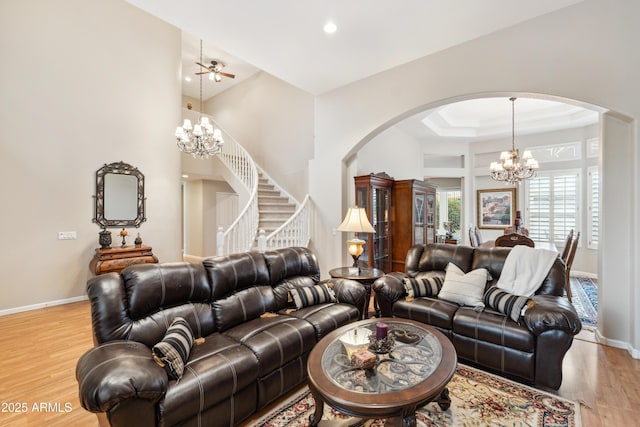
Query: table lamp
[356, 221]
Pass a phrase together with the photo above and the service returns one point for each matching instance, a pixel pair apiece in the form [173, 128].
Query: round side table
[364, 276]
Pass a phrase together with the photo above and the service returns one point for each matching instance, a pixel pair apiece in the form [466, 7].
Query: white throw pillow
[464, 289]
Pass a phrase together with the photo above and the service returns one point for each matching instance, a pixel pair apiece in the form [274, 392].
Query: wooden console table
[116, 259]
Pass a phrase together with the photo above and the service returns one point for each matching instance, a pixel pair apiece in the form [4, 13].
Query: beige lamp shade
[356, 221]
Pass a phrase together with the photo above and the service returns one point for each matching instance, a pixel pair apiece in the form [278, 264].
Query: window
[552, 206]
[593, 217]
[448, 208]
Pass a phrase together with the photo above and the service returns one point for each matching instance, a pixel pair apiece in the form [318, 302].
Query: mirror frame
[122, 169]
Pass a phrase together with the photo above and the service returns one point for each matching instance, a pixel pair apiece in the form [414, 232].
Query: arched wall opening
[613, 128]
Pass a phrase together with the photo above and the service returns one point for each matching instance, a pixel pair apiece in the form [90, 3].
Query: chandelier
[509, 169]
[200, 140]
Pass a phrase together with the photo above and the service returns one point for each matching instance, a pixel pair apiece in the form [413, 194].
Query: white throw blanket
[525, 269]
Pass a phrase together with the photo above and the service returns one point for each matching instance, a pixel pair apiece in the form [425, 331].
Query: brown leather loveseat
[530, 350]
[255, 349]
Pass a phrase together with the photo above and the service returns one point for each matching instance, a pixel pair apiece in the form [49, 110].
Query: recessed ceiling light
[185, 176]
[187, 79]
[330, 27]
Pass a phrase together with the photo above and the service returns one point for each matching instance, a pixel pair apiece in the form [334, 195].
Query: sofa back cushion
[290, 268]
[435, 257]
[232, 273]
[240, 288]
[158, 293]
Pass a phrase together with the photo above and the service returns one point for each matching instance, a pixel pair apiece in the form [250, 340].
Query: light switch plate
[67, 235]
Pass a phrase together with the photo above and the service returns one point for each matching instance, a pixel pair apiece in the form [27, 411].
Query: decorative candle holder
[381, 346]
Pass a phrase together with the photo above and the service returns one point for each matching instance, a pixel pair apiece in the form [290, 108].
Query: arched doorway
[397, 149]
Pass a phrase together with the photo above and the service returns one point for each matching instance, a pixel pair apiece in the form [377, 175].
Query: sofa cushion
[434, 312]
[217, 369]
[326, 317]
[421, 287]
[464, 288]
[505, 302]
[291, 262]
[151, 287]
[173, 351]
[274, 340]
[312, 295]
[241, 306]
[494, 328]
[232, 273]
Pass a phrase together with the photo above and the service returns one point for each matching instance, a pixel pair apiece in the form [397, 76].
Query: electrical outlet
[67, 235]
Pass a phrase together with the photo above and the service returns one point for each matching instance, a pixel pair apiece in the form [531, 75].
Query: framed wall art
[496, 208]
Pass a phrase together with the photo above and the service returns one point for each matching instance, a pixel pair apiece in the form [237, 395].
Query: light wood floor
[39, 350]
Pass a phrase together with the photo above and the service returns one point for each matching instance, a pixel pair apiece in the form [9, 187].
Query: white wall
[274, 122]
[393, 152]
[201, 218]
[82, 84]
[581, 53]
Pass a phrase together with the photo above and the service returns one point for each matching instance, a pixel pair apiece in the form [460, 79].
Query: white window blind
[594, 208]
[552, 206]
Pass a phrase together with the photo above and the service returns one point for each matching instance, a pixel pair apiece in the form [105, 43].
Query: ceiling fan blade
[231, 76]
[203, 66]
[205, 72]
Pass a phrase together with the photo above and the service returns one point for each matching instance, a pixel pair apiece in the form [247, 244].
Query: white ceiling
[487, 118]
[285, 37]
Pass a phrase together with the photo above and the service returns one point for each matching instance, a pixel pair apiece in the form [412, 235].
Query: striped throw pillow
[423, 287]
[173, 351]
[505, 302]
[312, 295]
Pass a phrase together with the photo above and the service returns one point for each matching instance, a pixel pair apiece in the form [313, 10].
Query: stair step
[269, 193]
[272, 199]
[276, 207]
[274, 216]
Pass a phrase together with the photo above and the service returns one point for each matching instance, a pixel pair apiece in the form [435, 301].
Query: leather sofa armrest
[552, 312]
[117, 371]
[389, 289]
[348, 291]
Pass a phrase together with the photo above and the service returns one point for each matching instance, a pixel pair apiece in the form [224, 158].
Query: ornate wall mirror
[119, 196]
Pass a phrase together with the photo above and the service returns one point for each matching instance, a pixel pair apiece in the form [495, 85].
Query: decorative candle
[381, 330]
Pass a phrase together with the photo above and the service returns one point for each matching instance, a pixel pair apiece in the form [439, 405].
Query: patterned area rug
[584, 296]
[477, 399]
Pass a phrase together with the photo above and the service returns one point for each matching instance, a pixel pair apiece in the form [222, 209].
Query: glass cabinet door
[419, 207]
[431, 217]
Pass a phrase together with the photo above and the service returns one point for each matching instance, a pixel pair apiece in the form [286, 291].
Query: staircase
[274, 209]
[284, 220]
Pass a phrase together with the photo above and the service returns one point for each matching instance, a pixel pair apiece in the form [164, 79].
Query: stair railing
[296, 231]
[240, 235]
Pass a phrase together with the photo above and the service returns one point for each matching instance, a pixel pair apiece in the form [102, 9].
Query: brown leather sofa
[530, 351]
[248, 359]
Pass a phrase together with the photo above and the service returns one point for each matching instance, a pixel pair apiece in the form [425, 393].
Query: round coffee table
[415, 372]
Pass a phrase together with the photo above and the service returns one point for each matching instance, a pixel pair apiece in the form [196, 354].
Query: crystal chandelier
[200, 140]
[509, 168]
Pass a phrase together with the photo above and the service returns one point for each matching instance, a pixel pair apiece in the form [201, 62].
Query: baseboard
[42, 305]
[633, 352]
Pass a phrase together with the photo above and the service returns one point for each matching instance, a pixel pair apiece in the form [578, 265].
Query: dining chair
[567, 246]
[568, 263]
[513, 239]
[473, 239]
[478, 236]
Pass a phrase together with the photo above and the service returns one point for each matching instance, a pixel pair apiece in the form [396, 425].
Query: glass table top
[415, 355]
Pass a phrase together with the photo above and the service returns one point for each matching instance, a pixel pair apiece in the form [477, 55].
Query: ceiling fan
[215, 71]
